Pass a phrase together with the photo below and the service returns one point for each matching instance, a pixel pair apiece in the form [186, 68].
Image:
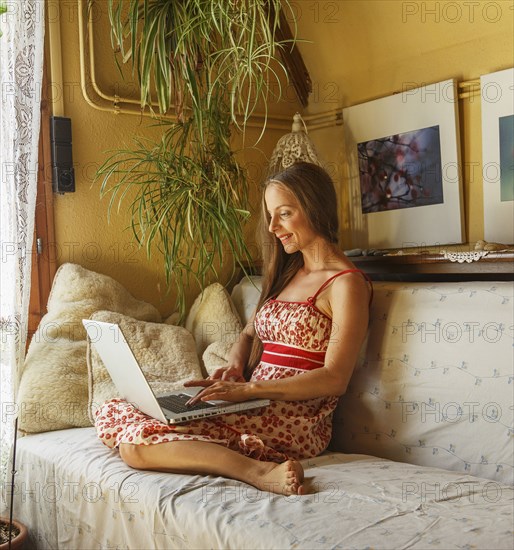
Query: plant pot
[17, 541]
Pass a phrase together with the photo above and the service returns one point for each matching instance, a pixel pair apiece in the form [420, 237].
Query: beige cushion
[245, 296]
[166, 354]
[213, 318]
[215, 356]
[53, 391]
[436, 385]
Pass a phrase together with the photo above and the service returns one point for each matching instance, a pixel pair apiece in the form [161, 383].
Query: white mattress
[73, 492]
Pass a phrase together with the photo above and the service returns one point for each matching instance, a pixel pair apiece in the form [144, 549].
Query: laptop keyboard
[177, 403]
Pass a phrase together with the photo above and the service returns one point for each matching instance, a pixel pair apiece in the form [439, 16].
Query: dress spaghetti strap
[312, 299]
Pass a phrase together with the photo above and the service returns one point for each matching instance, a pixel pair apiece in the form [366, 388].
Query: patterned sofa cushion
[436, 384]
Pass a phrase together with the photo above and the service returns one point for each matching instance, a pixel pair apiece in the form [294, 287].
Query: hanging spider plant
[193, 49]
[214, 62]
[190, 199]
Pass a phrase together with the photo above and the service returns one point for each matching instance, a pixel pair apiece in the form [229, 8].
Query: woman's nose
[272, 224]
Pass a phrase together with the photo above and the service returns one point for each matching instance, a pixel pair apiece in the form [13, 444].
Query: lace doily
[462, 257]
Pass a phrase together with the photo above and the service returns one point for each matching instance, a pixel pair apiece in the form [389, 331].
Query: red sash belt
[296, 358]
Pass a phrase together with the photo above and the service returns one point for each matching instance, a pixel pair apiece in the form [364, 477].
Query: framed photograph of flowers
[404, 169]
[497, 101]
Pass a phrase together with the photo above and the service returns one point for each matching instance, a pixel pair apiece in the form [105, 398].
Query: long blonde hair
[315, 192]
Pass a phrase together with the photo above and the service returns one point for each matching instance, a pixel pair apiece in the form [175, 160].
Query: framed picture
[497, 93]
[404, 169]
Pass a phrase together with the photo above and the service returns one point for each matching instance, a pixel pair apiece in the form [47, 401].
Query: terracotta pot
[18, 541]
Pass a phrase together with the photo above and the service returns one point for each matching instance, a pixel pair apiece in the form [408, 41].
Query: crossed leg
[201, 457]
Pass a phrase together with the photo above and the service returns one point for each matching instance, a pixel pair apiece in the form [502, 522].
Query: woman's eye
[285, 214]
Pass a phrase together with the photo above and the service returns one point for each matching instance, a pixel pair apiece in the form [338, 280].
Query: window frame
[44, 261]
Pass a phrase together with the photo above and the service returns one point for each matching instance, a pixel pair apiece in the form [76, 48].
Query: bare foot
[284, 479]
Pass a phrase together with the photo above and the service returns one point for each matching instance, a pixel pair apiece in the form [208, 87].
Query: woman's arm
[349, 303]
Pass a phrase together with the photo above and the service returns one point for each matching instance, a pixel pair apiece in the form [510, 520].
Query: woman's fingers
[231, 374]
[218, 373]
[205, 382]
[232, 377]
[218, 390]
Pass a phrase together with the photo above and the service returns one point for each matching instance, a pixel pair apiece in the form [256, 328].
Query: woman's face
[288, 222]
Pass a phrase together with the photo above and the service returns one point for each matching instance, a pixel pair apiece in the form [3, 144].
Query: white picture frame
[409, 113]
[497, 102]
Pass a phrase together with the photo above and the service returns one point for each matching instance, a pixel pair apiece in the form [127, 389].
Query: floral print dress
[295, 338]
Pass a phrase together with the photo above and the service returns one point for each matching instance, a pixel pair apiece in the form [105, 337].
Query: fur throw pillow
[213, 318]
[165, 353]
[53, 390]
[215, 356]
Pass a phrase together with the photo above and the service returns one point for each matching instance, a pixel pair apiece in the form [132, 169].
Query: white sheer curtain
[21, 71]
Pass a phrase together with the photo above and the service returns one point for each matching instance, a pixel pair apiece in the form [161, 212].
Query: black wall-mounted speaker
[62, 158]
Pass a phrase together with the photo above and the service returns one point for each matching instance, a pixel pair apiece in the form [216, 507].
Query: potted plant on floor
[12, 532]
[214, 63]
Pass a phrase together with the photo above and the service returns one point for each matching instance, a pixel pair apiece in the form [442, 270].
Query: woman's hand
[220, 389]
[230, 373]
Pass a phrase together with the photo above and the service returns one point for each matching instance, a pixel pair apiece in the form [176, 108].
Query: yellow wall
[364, 50]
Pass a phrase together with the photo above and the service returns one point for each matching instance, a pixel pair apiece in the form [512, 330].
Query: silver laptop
[119, 360]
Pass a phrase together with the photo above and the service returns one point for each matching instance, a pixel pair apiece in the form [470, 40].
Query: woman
[298, 350]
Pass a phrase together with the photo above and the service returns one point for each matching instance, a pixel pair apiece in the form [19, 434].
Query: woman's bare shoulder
[342, 288]
[348, 284]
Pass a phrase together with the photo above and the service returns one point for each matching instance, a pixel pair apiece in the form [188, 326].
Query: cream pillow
[215, 356]
[213, 318]
[53, 391]
[166, 354]
[245, 296]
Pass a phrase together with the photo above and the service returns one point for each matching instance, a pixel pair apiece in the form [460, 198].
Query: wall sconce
[293, 147]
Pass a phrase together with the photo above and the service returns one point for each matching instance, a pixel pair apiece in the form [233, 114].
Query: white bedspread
[74, 493]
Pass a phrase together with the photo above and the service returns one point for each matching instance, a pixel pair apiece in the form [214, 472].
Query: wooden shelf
[435, 267]
[426, 267]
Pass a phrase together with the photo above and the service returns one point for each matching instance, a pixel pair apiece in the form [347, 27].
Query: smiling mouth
[285, 238]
